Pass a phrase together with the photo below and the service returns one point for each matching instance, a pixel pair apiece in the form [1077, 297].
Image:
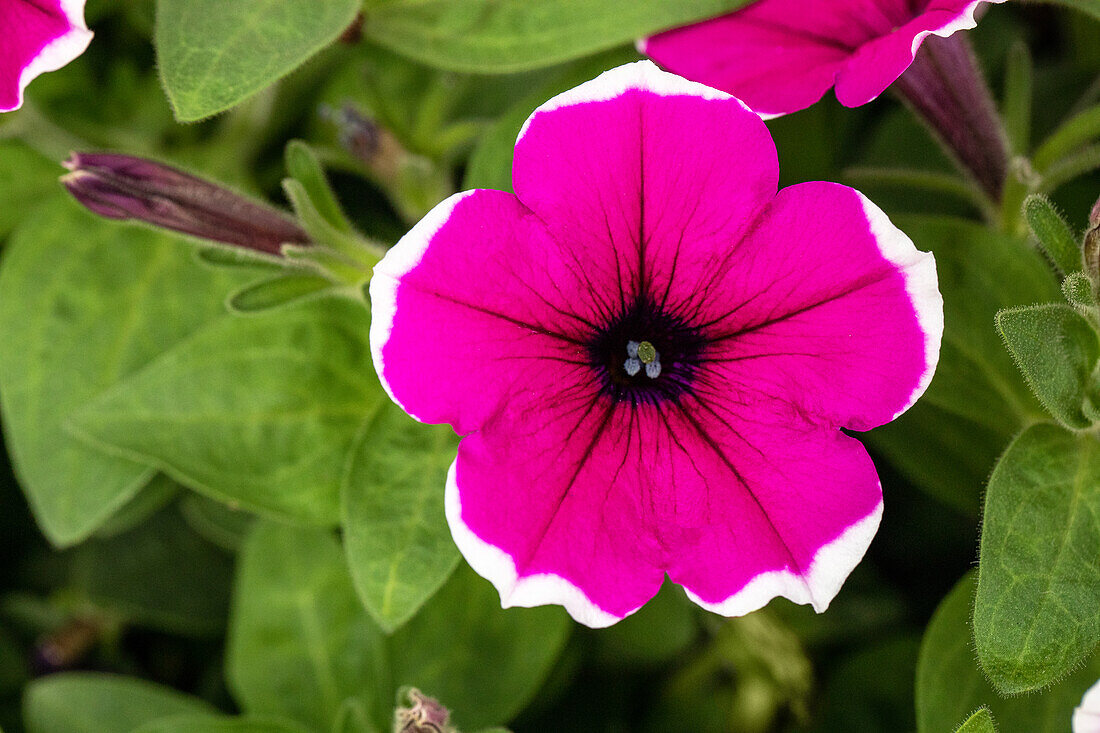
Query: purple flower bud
[424, 715]
[126, 187]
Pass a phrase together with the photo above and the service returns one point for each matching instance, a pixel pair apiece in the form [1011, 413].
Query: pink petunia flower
[39, 36]
[1086, 718]
[650, 352]
[780, 56]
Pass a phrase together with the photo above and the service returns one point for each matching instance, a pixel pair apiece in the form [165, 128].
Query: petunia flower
[650, 354]
[780, 56]
[39, 36]
[1086, 717]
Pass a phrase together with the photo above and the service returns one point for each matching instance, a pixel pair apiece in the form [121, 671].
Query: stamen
[641, 353]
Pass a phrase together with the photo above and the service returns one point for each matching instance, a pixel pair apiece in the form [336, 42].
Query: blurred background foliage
[168, 578]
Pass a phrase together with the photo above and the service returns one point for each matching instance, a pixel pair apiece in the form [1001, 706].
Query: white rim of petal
[817, 586]
[641, 75]
[58, 52]
[386, 278]
[964, 21]
[1086, 716]
[496, 566]
[921, 283]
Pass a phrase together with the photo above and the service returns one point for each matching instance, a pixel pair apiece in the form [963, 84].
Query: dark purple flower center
[645, 354]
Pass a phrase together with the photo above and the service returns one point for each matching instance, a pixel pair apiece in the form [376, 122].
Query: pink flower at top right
[780, 56]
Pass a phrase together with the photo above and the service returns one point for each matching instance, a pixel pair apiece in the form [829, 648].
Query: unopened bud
[127, 187]
[423, 715]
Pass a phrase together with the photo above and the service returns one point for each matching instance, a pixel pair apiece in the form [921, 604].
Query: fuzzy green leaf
[1077, 288]
[399, 547]
[1057, 350]
[497, 36]
[1035, 614]
[980, 722]
[950, 686]
[213, 54]
[1052, 233]
[101, 703]
[260, 411]
[84, 303]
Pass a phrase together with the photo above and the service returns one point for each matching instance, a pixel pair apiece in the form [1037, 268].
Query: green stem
[926, 180]
[1073, 165]
[1071, 135]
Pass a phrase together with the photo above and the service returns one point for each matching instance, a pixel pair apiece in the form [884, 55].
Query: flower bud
[126, 187]
[424, 715]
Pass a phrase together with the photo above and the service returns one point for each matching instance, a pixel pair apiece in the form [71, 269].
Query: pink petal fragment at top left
[39, 36]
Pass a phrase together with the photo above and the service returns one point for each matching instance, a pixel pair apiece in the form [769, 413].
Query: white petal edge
[58, 52]
[384, 282]
[641, 75]
[496, 566]
[964, 21]
[830, 567]
[1086, 717]
[921, 283]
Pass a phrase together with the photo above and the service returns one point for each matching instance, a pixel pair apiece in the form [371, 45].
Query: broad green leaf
[396, 537]
[1035, 614]
[83, 304]
[223, 525]
[496, 36]
[160, 574]
[27, 178]
[213, 54]
[950, 686]
[947, 442]
[980, 722]
[490, 165]
[481, 661]
[101, 703]
[221, 724]
[153, 497]
[259, 411]
[1057, 350]
[300, 642]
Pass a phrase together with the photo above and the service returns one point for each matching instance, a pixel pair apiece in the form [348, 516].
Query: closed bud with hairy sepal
[421, 714]
[1091, 245]
[128, 187]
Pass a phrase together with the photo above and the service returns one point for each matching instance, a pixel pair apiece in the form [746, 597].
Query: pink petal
[449, 348]
[879, 62]
[636, 139]
[835, 309]
[780, 56]
[780, 507]
[39, 36]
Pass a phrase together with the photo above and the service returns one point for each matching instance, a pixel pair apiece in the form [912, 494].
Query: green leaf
[276, 291]
[160, 574]
[1057, 350]
[496, 36]
[950, 686]
[223, 525]
[1052, 233]
[213, 54]
[258, 411]
[84, 303]
[398, 544]
[101, 703]
[662, 629]
[1018, 97]
[303, 166]
[481, 661]
[980, 722]
[221, 724]
[1035, 615]
[152, 498]
[948, 442]
[300, 642]
[26, 179]
[1077, 289]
